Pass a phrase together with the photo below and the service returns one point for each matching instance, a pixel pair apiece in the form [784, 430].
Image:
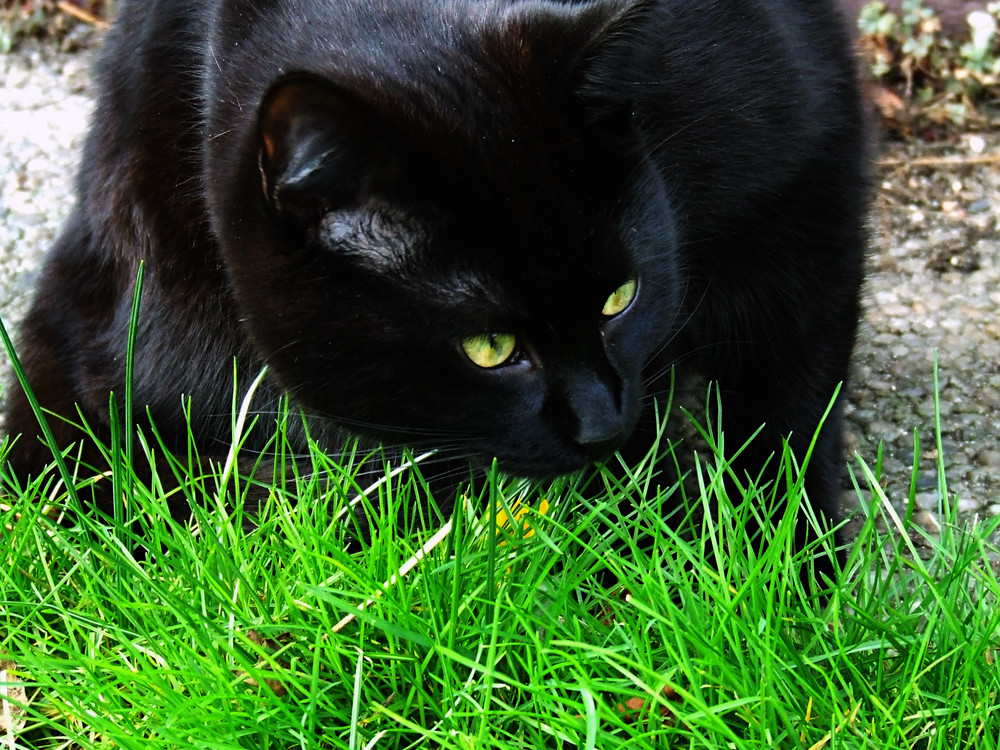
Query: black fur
[346, 189]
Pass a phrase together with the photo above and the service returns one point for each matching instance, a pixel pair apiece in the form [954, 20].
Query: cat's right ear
[319, 149]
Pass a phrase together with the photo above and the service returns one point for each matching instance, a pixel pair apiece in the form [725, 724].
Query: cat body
[488, 227]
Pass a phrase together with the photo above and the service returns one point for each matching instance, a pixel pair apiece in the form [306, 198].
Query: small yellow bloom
[520, 510]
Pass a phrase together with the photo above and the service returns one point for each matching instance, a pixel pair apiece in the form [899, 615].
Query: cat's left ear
[320, 149]
[588, 49]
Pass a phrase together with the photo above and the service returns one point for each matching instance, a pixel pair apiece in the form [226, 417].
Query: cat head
[476, 256]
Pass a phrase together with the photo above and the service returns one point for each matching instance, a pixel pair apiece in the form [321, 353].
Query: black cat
[484, 226]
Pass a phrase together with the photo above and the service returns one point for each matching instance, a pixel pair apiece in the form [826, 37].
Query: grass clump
[506, 634]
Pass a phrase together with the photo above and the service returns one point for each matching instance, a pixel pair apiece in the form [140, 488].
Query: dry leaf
[635, 708]
[12, 700]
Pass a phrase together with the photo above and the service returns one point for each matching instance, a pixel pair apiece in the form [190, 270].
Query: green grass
[227, 638]
[502, 635]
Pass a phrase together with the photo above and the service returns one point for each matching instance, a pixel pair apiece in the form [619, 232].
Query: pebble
[927, 521]
[967, 505]
[928, 500]
[987, 457]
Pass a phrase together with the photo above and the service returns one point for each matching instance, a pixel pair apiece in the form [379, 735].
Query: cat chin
[545, 468]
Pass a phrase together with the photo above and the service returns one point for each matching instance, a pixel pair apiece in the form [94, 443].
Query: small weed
[941, 82]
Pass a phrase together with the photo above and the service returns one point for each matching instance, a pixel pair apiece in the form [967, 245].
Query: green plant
[505, 631]
[944, 81]
[15, 22]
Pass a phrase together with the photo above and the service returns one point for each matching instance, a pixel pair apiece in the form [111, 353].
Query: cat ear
[618, 33]
[611, 22]
[584, 50]
[319, 149]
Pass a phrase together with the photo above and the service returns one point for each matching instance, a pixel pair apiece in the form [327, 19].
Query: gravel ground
[44, 109]
[933, 290]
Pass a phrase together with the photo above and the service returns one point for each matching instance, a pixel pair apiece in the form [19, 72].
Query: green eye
[490, 349]
[620, 298]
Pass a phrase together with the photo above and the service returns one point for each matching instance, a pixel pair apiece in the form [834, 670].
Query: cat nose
[597, 449]
[600, 426]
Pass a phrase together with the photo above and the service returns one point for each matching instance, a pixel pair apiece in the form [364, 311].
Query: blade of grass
[39, 413]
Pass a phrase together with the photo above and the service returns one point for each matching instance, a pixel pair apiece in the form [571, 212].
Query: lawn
[529, 617]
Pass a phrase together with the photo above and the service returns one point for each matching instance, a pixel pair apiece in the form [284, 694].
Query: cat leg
[785, 398]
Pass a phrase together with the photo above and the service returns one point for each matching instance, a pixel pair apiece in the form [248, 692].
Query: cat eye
[620, 299]
[489, 350]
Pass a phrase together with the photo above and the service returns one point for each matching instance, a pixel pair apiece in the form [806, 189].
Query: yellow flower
[519, 510]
